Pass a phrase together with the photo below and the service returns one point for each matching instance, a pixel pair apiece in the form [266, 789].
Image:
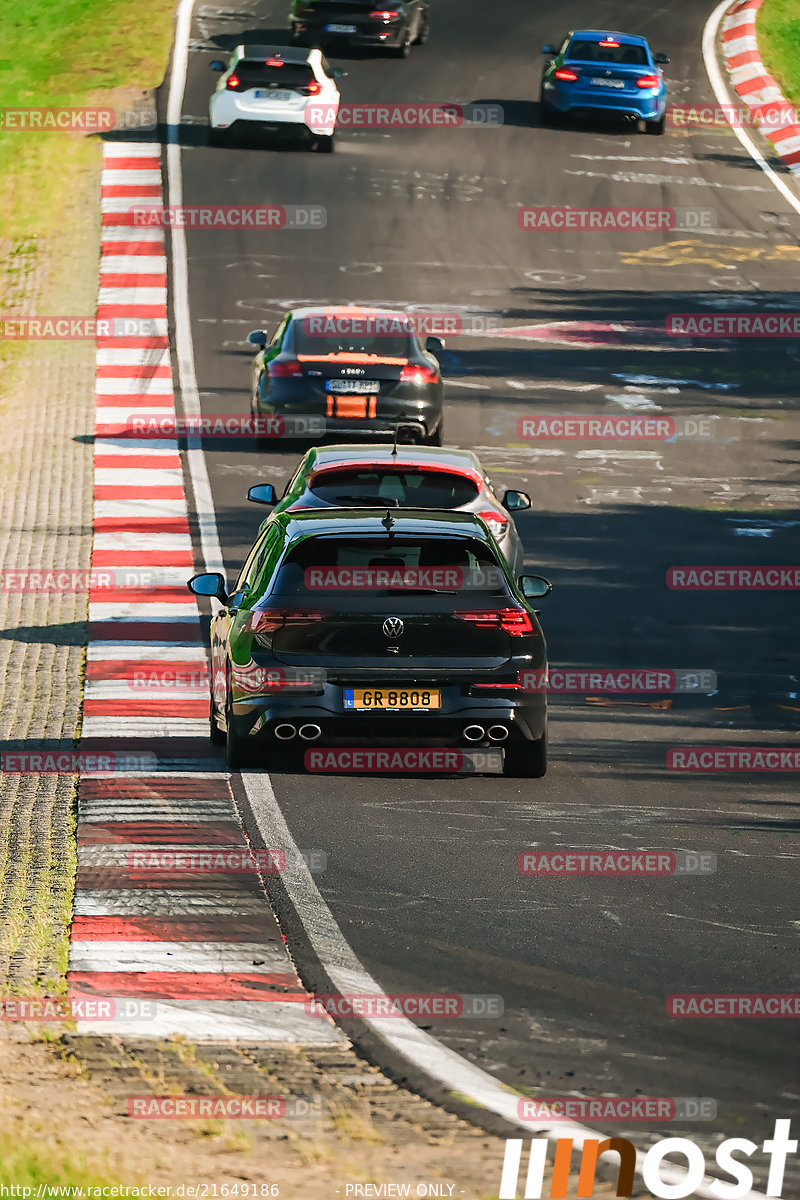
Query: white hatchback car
[283, 91]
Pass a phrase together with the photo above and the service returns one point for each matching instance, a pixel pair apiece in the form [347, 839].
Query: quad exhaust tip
[474, 733]
[497, 733]
[285, 732]
[310, 733]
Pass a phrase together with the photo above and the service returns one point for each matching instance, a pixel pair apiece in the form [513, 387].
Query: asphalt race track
[422, 873]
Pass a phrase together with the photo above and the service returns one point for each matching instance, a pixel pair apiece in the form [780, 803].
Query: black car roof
[289, 54]
[343, 522]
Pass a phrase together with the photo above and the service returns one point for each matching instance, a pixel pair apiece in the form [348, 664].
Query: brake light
[274, 62]
[384, 14]
[609, 42]
[514, 621]
[233, 82]
[491, 515]
[416, 374]
[267, 621]
[313, 89]
[565, 74]
[288, 368]
[647, 81]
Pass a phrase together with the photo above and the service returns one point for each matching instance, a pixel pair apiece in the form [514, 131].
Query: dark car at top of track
[366, 627]
[405, 477]
[608, 74]
[362, 371]
[396, 26]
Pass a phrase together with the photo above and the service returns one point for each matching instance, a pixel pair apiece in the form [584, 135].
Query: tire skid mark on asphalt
[155, 922]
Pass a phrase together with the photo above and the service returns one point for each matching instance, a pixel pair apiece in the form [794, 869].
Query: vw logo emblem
[393, 627]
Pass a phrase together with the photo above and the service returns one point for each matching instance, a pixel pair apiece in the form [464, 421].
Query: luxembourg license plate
[341, 28]
[265, 94]
[357, 387]
[613, 83]
[398, 699]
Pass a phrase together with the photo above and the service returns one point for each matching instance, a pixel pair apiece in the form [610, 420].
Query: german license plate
[265, 94]
[341, 28]
[400, 699]
[358, 387]
[612, 83]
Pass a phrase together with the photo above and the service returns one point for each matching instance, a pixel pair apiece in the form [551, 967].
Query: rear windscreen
[582, 51]
[414, 489]
[342, 333]
[350, 567]
[252, 73]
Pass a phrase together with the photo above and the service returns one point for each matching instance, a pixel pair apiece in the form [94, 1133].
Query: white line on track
[710, 42]
[339, 961]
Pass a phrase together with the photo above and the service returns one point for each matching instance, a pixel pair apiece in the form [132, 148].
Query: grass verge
[778, 28]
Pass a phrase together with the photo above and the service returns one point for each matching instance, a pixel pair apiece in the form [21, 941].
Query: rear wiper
[375, 501]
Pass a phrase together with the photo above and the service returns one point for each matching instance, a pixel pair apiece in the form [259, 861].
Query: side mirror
[661, 59]
[217, 64]
[434, 345]
[534, 587]
[257, 338]
[338, 73]
[263, 493]
[211, 584]
[516, 501]
[548, 49]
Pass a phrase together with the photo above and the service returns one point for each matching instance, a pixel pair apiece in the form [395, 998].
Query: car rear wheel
[656, 127]
[435, 438]
[526, 760]
[424, 31]
[404, 49]
[545, 111]
[325, 144]
[215, 733]
[216, 137]
[235, 744]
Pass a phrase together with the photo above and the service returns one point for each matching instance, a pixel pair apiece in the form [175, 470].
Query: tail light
[514, 621]
[384, 14]
[565, 74]
[647, 81]
[416, 374]
[266, 621]
[491, 516]
[313, 89]
[288, 368]
[233, 82]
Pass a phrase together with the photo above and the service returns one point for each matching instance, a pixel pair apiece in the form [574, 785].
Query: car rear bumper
[396, 412]
[368, 39]
[258, 719]
[647, 107]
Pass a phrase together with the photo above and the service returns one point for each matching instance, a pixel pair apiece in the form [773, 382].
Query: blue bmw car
[604, 74]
